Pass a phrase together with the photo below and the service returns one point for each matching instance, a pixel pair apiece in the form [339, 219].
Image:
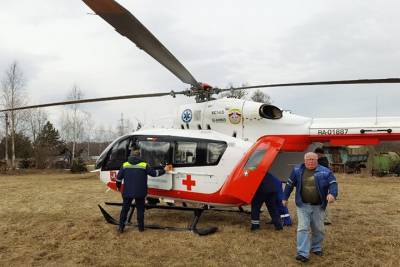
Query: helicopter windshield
[117, 155]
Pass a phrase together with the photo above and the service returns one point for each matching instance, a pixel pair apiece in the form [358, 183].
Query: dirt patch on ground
[53, 219]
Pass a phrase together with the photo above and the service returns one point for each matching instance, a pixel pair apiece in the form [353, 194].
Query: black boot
[121, 229]
[141, 227]
[254, 227]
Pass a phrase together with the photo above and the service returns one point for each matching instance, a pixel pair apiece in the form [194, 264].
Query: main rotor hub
[202, 92]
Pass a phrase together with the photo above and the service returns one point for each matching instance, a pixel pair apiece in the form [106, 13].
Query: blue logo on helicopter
[187, 115]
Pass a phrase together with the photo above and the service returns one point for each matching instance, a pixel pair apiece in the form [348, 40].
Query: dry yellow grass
[52, 219]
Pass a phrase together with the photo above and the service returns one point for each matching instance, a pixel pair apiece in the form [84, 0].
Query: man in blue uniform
[283, 210]
[266, 193]
[315, 187]
[134, 174]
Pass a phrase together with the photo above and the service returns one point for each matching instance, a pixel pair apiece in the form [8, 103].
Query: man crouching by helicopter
[267, 192]
[134, 174]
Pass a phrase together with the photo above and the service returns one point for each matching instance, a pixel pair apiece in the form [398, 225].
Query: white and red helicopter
[221, 148]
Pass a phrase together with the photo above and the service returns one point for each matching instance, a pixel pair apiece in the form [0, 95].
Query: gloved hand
[118, 184]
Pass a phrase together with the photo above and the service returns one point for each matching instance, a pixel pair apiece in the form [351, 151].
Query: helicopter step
[192, 227]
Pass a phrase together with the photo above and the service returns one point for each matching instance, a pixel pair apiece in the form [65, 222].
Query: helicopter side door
[195, 163]
[249, 172]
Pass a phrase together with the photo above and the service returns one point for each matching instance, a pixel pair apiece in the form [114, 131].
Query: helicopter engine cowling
[270, 112]
[240, 118]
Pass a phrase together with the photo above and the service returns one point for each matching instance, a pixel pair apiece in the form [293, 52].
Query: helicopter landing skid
[192, 227]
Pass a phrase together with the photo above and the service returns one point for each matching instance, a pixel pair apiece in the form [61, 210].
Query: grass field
[49, 219]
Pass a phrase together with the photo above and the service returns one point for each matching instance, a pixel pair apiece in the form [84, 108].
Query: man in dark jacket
[266, 193]
[315, 187]
[323, 160]
[134, 174]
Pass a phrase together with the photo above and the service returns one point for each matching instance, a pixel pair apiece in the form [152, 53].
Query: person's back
[134, 174]
[268, 184]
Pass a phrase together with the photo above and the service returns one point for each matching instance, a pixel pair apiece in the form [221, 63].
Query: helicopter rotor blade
[100, 99]
[359, 81]
[129, 26]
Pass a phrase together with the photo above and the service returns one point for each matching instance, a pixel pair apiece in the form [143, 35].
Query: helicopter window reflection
[155, 153]
[118, 155]
[214, 152]
[255, 159]
[185, 153]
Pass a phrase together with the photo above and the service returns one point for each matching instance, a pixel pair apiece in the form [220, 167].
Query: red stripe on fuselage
[214, 198]
[301, 142]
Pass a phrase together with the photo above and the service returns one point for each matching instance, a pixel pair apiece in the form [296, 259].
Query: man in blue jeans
[316, 186]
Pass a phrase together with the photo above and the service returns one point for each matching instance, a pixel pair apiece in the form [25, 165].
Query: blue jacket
[134, 174]
[324, 180]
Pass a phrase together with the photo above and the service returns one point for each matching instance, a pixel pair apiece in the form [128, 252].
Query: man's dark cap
[319, 150]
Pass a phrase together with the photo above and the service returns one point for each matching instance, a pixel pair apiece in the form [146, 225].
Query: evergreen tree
[23, 147]
[47, 145]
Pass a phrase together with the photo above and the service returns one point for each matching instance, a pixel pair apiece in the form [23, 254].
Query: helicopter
[220, 148]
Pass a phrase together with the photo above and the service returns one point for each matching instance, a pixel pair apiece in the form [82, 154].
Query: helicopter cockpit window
[185, 153]
[214, 152]
[118, 155]
[255, 159]
[155, 153]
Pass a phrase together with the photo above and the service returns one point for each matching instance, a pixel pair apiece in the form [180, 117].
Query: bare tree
[100, 133]
[13, 96]
[239, 94]
[111, 134]
[90, 133]
[36, 119]
[73, 121]
[261, 97]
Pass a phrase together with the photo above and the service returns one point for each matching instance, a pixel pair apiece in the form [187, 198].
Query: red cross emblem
[189, 182]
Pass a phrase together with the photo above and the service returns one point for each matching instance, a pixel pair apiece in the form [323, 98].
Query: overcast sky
[58, 44]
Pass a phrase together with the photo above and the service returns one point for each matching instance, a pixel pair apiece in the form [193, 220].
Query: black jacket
[323, 161]
[134, 174]
[269, 185]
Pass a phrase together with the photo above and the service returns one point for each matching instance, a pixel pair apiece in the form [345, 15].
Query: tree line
[29, 136]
